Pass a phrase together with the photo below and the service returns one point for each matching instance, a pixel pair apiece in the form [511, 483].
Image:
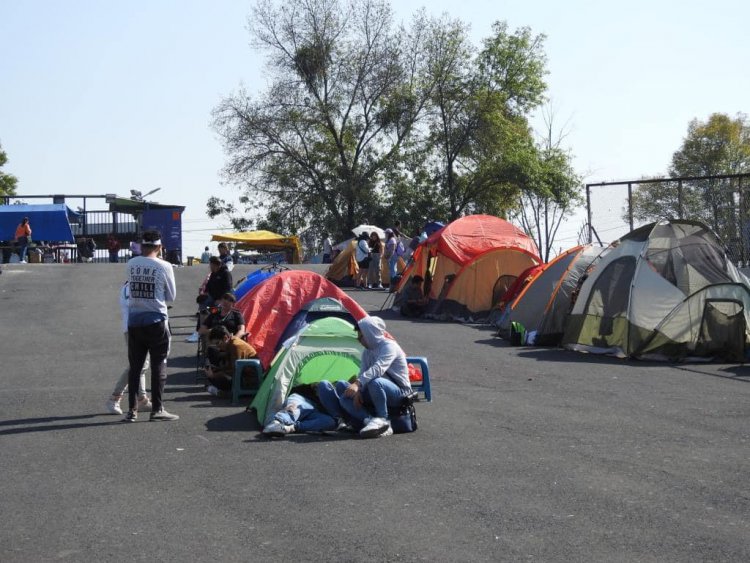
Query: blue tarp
[49, 222]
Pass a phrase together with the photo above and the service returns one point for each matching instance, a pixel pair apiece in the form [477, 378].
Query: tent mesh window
[501, 286]
[690, 265]
[722, 330]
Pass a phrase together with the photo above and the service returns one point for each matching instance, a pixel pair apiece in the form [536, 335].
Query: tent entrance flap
[722, 331]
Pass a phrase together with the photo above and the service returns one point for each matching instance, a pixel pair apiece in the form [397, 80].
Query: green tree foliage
[364, 120]
[346, 92]
[8, 182]
[480, 147]
[718, 146]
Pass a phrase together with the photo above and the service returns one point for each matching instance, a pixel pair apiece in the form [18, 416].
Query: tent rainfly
[542, 306]
[468, 266]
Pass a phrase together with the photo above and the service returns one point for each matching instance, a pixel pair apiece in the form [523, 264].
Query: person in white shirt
[113, 403]
[152, 285]
[327, 249]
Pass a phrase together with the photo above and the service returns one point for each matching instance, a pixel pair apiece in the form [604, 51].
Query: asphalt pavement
[524, 454]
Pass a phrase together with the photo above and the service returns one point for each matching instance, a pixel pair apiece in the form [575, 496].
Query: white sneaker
[195, 337]
[374, 427]
[144, 403]
[388, 432]
[113, 406]
[212, 390]
[277, 429]
[163, 415]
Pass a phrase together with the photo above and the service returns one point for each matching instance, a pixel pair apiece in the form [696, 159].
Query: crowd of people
[360, 405]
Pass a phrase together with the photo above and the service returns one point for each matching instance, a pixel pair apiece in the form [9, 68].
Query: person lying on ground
[383, 379]
[330, 394]
[231, 349]
[415, 301]
[302, 412]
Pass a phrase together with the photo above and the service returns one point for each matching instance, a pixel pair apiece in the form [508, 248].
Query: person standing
[152, 285]
[113, 403]
[327, 249]
[391, 244]
[225, 256]
[113, 246]
[23, 238]
[206, 256]
[376, 249]
[362, 256]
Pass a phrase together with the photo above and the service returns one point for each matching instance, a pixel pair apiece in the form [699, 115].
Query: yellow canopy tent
[264, 241]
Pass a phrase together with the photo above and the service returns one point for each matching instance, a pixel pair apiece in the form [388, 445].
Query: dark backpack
[404, 416]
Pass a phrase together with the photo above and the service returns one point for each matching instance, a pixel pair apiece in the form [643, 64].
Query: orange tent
[468, 265]
[271, 305]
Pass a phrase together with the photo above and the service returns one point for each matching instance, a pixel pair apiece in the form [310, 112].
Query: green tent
[327, 348]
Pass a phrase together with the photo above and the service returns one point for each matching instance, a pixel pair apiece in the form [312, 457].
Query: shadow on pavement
[232, 423]
[46, 426]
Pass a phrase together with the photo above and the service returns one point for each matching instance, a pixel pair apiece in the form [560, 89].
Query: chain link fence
[722, 202]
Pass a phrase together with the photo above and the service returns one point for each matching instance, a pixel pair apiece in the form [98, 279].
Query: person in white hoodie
[383, 379]
[152, 285]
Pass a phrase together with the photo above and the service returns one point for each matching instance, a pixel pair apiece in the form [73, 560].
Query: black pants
[154, 340]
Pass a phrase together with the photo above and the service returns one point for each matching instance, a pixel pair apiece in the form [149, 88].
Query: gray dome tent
[664, 291]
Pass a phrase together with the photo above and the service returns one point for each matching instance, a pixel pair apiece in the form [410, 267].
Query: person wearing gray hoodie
[383, 379]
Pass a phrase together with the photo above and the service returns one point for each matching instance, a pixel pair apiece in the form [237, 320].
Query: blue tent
[251, 281]
[432, 226]
[49, 222]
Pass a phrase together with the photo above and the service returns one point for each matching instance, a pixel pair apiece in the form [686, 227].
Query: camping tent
[264, 241]
[664, 291]
[344, 269]
[258, 276]
[468, 265]
[327, 348]
[542, 306]
[49, 222]
[271, 305]
[315, 309]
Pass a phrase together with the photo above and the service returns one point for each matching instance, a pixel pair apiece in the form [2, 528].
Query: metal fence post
[588, 211]
[630, 205]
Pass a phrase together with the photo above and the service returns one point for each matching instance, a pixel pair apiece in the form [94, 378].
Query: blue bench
[237, 389]
[423, 385]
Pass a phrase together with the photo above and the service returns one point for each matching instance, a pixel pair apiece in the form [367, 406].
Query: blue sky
[101, 97]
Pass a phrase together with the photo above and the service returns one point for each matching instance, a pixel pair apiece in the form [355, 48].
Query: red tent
[469, 264]
[270, 306]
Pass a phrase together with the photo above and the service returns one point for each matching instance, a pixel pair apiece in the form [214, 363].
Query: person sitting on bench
[230, 350]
